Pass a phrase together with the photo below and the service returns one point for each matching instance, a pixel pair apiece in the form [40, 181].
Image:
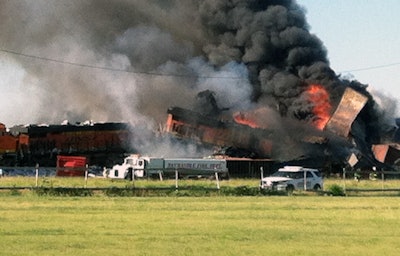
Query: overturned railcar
[187, 124]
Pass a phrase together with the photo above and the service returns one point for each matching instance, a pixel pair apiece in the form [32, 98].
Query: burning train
[330, 140]
[259, 57]
[247, 141]
[101, 143]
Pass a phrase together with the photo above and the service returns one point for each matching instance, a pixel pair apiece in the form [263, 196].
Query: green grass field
[101, 182]
[80, 182]
[257, 225]
[303, 224]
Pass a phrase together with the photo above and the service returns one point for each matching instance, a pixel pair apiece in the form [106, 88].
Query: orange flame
[318, 95]
[315, 93]
[242, 118]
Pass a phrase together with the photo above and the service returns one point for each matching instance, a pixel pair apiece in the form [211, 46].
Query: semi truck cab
[132, 165]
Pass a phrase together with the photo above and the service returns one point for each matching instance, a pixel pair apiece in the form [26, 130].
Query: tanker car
[138, 166]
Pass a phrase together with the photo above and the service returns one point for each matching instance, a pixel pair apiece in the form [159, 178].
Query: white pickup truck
[292, 178]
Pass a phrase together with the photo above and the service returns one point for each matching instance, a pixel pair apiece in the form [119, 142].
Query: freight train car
[191, 125]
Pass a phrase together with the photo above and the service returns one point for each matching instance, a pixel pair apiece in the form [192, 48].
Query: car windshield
[292, 175]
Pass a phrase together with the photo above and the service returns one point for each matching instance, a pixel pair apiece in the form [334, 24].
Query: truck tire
[129, 174]
[317, 187]
[289, 190]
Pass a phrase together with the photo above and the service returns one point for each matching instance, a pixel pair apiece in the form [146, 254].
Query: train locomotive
[102, 143]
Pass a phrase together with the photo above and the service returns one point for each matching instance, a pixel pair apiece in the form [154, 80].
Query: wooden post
[344, 179]
[216, 178]
[133, 177]
[176, 178]
[37, 175]
[262, 177]
[86, 175]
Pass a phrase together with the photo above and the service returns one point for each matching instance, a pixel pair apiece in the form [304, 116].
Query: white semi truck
[143, 166]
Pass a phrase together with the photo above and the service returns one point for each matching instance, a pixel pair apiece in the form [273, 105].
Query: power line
[371, 67]
[165, 74]
[114, 69]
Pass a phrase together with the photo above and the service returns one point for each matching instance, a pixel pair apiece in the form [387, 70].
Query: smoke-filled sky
[129, 60]
[361, 37]
[123, 60]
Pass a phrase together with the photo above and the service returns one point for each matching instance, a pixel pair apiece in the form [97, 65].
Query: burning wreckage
[331, 140]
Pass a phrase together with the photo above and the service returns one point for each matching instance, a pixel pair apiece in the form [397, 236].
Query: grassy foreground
[273, 225]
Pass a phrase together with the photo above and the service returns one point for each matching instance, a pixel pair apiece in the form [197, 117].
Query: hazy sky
[362, 38]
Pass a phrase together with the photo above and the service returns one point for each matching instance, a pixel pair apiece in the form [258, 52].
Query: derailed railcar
[188, 124]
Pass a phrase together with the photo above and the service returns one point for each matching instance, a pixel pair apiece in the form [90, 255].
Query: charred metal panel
[349, 107]
[387, 153]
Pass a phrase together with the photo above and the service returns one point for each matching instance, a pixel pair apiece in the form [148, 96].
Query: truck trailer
[135, 166]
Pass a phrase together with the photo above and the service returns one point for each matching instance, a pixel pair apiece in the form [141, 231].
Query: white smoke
[18, 97]
[230, 83]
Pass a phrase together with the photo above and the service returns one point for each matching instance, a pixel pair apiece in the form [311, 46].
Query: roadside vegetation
[78, 186]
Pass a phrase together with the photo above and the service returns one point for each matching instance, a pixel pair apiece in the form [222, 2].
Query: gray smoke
[182, 40]
[130, 60]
